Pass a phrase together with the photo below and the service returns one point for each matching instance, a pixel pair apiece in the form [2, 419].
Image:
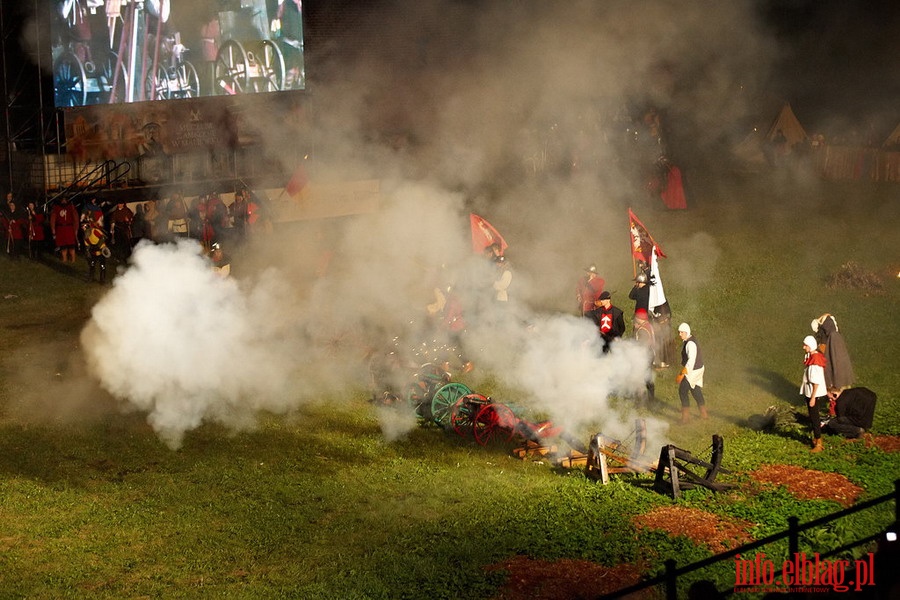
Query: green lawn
[318, 504]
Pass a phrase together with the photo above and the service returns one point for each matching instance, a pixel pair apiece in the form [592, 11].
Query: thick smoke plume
[511, 110]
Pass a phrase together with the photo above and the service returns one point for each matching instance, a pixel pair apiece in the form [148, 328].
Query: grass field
[317, 504]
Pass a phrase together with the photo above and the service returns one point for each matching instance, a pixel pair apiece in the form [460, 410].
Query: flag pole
[631, 245]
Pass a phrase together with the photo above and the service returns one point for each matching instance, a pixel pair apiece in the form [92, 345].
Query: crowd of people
[109, 232]
[828, 374]
[104, 230]
[827, 378]
[826, 382]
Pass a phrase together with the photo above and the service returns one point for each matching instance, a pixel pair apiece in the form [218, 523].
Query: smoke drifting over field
[479, 109]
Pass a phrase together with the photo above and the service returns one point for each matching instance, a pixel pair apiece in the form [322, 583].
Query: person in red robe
[672, 189]
[588, 289]
[16, 223]
[37, 233]
[64, 221]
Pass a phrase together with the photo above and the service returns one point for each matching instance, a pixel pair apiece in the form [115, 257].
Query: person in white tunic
[690, 379]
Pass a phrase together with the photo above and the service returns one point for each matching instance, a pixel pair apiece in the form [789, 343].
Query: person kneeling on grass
[852, 412]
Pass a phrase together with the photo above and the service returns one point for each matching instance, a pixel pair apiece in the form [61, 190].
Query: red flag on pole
[484, 235]
[642, 243]
[298, 181]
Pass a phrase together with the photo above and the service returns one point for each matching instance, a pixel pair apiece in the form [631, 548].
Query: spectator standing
[447, 311]
[220, 262]
[588, 290]
[96, 250]
[661, 322]
[121, 230]
[640, 294]
[240, 213]
[154, 222]
[813, 388]
[178, 224]
[690, 379]
[4, 220]
[838, 368]
[609, 319]
[643, 331]
[64, 221]
[502, 279]
[139, 226]
[16, 225]
[37, 232]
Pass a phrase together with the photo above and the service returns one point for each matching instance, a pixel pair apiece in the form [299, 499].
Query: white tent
[784, 132]
[893, 140]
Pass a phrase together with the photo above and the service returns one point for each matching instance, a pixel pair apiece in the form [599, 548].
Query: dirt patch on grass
[808, 484]
[885, 443]
[534, 579]
[700, 527]
[854, 277]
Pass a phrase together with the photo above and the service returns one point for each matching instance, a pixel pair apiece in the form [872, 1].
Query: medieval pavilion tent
[893, 140]
[764, 144]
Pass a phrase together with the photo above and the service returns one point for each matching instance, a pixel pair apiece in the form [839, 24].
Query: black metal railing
[792, 533]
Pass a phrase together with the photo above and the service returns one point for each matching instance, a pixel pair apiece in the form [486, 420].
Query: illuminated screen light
[117, 51]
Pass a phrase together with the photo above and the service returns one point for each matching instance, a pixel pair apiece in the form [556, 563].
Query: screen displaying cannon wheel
[116, 51]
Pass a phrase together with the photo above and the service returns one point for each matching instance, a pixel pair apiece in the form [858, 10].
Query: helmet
[641, 278]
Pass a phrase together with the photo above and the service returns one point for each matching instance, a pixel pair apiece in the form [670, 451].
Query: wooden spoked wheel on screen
[69, 80]
[231, 69]
[186, 83]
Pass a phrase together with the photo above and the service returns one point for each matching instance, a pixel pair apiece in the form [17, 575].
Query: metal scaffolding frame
[31, 123]
[34, 161]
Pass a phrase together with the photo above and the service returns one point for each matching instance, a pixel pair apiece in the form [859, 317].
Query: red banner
[642, 242]
[484, 235]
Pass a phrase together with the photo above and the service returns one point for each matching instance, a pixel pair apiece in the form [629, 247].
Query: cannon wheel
[188, 81]
[419, 394]
[273, 63]
[69, 80]
[443, 399]
[416, 398]
[462, 413]
[494, 423]
[113, 75]
[157, 88]
[231, 69]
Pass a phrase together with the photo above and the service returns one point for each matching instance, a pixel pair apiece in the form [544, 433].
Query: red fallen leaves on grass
[808, 484]
[566, 579]
[698, 526]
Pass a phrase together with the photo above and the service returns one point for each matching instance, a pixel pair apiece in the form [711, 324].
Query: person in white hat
[690, 379]
[813, 388]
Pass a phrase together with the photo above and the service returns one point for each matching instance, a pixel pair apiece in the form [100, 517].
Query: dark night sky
[839, 58]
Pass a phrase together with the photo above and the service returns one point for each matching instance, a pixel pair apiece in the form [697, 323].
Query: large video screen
[116, 51]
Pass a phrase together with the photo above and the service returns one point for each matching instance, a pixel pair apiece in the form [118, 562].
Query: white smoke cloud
[507, 112]
[185, 345]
